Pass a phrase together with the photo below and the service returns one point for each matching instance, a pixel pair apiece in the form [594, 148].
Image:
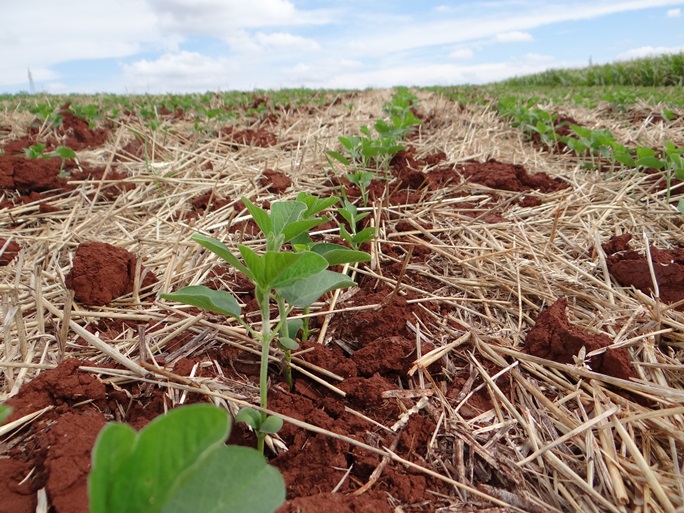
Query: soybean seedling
[178, 463]
[293, 279]
[353, 237]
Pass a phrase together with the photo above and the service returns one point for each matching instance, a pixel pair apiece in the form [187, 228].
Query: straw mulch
[569, 438]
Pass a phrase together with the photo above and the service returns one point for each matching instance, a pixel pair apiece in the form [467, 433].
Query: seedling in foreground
[178, 463]
[293, 279]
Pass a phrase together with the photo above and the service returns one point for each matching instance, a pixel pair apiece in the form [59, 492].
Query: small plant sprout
[353, 237]
[178, 463]
[292, 279]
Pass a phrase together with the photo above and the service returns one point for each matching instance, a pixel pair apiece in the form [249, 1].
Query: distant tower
[590, 61]
[32, 86]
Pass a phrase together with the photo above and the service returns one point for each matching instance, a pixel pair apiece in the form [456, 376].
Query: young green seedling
[178, 463]
[293, 279]
[353, 237]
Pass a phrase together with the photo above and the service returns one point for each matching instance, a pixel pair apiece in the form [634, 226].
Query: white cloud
[649, 51]
[674, 13]
[219, 17]
[461, 53]
[442, 74]
[288, 41]
[514, 36]
[183, 71]
[521, 16]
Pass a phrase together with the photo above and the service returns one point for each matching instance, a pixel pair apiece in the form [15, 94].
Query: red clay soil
[509, 177]
[75, 133]
[206, 202]
[259, 137]
[8, 251]
[630, 269]
[554, 338]
[375, 352]
[275, 181]
[102, 272]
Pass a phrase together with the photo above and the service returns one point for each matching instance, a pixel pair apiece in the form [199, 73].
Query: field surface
[513, 345]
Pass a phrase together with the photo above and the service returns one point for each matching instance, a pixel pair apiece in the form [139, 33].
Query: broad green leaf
[364, 235]
[650, 162]
[218, 301]
[271, 425]
[113, 448]
[304, 292]
[288, 343]
[293, 327]
[644, 151]
[261, 218]
[336, 254]
[284, 213]
[230, 479]
[222, 251]
[269, 266]
[249, 416]
[299, 227]
[149, 467]
[65, 152]
[314, 204]
[306, 264]
[680, 206]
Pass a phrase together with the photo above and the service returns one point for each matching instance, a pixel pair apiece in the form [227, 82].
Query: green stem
[263, 376]
[306, 330]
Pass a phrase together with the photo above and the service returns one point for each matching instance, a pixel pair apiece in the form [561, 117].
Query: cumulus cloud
[649, 51]
[674, 13]
[514, 36]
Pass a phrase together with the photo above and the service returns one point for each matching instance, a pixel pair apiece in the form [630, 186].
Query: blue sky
[157, 46]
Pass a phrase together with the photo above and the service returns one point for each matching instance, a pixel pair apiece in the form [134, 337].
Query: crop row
[596, 149]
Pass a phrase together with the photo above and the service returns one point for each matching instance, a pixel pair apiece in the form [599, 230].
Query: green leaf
[261, 218]
[65, 152]
[5, 411]
[364, 235]
[288, 343]
[230, 479]
[304, 292]
[271, 425]
[285, 213]
[267, 267]
[339, 157]
[249, 416]
[336, 254]
[314, 204]
[650, 162]
[222, 251]
[113, 448]
[293, 327]
[299, 227]
[218, 301]
[140, 472]
[307, 263]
